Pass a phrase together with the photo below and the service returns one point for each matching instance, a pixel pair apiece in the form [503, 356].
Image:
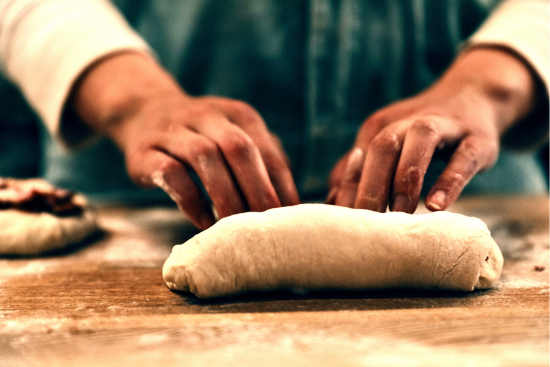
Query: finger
[331, 197]
[158, 169]
[350, 180]
[241, 114]
[205, 158]
[281, 177]
[378, 170]
[246, 164]
[278, 168]
[337, 173]
[472, 155]
[421, 141]
[271, 150]
[335, 179]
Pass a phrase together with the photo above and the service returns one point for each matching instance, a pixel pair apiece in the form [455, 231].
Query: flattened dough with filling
[324, 247]
[37, 217]
[23, 233]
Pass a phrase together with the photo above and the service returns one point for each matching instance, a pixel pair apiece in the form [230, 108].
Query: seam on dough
[452, 269]
[436, 255]
[285, 259]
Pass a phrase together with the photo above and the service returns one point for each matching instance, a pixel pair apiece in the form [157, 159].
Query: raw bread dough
[24, 233]
[325, 247]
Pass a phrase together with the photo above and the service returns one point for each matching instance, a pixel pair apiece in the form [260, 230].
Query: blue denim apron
[313, 69]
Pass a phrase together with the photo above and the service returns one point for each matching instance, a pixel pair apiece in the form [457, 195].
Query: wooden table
[105, 304]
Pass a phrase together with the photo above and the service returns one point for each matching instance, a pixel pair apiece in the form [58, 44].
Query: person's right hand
[165, 133]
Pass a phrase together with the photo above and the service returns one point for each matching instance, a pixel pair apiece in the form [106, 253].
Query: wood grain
[103, 303]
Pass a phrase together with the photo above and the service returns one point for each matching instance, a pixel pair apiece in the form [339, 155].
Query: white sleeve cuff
[524, 27]
[46, 45]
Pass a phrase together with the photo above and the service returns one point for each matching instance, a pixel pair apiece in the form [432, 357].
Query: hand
[165, 133]
[465, 112]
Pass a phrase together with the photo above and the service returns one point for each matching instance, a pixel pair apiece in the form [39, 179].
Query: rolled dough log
[324, 247]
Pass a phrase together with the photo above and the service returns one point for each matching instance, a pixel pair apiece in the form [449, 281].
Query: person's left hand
[464, 113]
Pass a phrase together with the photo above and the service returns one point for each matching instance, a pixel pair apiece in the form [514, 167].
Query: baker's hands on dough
[462, 116]
[165, 133]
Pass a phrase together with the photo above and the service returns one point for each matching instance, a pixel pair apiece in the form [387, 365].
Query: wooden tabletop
[104, 303]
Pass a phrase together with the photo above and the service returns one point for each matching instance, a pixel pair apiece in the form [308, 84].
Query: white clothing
[46, 45]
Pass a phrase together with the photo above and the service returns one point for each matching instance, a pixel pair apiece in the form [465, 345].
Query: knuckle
[471, 153]
[245, 112]
[274, 163]
[413, 176]
[425, 127]
[204, 150]
[237, 145]
[386, 142]
[351, 180]
[459, 178]
[467, 170]
[198, 112]
[143, 165]
[378, 119]
[241, 106]
[482, 153]
[168, 166]
[455, 180]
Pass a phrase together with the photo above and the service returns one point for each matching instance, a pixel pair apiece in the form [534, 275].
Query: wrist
[499, 78]
[117, 87]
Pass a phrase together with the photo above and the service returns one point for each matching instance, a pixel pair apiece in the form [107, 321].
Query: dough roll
[324, 247]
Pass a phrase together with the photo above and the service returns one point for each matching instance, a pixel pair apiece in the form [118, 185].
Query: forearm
[500, 80]
[163, 133]
[118, 86]
[522, 28]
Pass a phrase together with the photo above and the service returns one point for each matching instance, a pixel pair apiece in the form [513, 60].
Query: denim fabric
[20, 145]
[313, 69]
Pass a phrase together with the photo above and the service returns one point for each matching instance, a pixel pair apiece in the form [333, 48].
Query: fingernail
[401, 203]
[437, 201]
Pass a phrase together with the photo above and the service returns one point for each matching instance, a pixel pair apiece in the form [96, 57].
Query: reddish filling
[37, 196]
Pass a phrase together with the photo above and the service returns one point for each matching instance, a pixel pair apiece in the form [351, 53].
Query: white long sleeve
[524, 27]
[46, 44]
